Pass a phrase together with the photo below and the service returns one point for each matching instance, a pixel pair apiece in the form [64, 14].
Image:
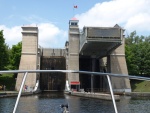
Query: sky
[52, 17]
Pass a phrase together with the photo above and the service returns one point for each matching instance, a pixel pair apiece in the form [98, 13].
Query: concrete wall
[73, 56]
[53, 52]
[117, 64]
[28, 56]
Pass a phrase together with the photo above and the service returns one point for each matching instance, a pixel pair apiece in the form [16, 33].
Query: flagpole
[74, 6]
[73, 10]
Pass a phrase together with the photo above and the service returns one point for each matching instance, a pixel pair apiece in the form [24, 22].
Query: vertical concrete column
[29, 57]
[66, 55]
[101, 64]
[108, 64]
[93, 70]
[103, 79]
[73, 50]
[117, 64]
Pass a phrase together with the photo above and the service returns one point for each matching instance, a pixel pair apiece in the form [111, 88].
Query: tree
[15, 55]
[137, 52]
[4, 59]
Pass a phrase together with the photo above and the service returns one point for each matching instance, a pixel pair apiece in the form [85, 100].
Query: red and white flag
[75, 6]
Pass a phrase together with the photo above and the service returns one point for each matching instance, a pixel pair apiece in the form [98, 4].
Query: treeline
[9, 57]
[137, 50]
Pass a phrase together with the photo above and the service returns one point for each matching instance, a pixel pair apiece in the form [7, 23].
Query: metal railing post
[112, 94]
[92, 84]
[23, 81]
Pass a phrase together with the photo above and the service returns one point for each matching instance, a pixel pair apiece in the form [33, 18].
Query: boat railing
[72, 71]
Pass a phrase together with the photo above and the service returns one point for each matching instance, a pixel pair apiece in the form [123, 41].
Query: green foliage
[8, 80]
[4, 59]
[9, 59]
[15, 55]
[137, 52]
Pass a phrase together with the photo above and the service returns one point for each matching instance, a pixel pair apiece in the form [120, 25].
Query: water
[50, 103]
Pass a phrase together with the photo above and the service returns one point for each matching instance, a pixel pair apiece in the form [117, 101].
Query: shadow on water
[49, 102]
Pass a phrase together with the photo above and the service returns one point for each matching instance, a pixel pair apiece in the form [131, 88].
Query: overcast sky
[52, 17]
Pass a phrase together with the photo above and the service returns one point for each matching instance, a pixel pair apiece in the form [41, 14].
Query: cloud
[49, 35]
[130, 14]
[12, 35]
[139, 22]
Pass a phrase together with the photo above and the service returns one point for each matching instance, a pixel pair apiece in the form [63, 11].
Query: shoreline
[138, 94]
[6, 94]
[104, 96]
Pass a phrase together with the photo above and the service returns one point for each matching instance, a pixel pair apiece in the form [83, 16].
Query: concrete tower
[29, 56]
[117, 64]
[73, 56]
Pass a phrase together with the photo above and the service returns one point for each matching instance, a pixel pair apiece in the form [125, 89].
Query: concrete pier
[29, 56]
[6, 94]
[102, 96]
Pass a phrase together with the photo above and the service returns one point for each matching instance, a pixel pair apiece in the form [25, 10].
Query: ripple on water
[50, 103]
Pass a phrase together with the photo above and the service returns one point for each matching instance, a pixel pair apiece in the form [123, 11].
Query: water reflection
[134, 105]
[50, 103]
[7, 105]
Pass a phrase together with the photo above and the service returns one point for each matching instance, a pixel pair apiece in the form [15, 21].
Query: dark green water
[50, 103]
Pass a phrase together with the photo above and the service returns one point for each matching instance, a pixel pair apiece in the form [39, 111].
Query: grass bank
[8, 80]
[140, 86]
